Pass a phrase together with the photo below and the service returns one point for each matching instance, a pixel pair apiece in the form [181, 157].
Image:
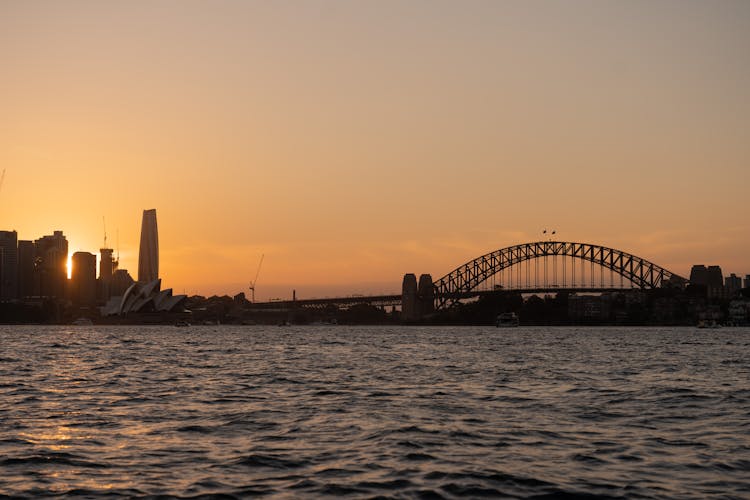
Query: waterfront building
[51, 259]
[144, 298]
[8, 265]
[739, 311]
[26, 278]
[148, 255]
[715, 277]
[699, 275]
[732, 284]
[715, 283]
[710, 277]
[747, 281]
[589, 308]
[83, 279]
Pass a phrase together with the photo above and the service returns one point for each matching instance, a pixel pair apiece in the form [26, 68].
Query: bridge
[558, 259]
[537, 267]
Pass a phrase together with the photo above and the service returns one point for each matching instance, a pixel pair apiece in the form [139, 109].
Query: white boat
[82, 322]
[506, 320]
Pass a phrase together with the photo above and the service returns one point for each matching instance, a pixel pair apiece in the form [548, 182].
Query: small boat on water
[506, 320]
[82, 322]
[708, 324]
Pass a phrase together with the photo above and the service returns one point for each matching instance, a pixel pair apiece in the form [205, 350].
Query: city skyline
[718, 283]
[351, 144]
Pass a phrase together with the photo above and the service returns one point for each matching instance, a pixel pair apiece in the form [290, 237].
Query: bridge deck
[395, 300]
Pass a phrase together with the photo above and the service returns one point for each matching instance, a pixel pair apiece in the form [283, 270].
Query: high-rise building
[107, 267]
[148, 256]
[710, 277]
[83, 279]
[747, 281]
[699, 275]
[8, 265]
[715, 277]
[27, 282]
[51, 258]
[732, 283]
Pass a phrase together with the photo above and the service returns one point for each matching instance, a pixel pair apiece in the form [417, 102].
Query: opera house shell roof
[142, 298]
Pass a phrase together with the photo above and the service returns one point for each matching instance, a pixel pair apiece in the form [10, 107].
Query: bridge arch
[464, 279]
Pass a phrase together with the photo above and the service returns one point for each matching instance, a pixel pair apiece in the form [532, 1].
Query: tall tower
[148, 256]
[83, 279]
[8, 265]
[26, 278]
[107, 267]
[51, 265]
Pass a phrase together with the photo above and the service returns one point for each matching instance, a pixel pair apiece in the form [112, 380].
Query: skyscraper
[8, 265]
[107, 267]
[148, 256]
[51, 252]
[27, 282]
[83, 279]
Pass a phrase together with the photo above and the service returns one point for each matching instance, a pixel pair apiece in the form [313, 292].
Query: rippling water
[375, 412]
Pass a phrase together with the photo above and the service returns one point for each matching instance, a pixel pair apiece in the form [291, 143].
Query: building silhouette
[409, 307]
[426, 295]
[715, 277]
[8, 265]
[733, 284]
[144, 298]
[83, 279]
[107, 267]
[148, 255]
[26, 276]
[51, 265]
[709, 277]
[699, 275]
[121, 281]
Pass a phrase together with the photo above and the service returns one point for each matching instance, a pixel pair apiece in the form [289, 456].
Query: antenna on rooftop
[118, 246]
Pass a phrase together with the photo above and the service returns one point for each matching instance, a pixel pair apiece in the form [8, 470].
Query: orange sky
[352, 142]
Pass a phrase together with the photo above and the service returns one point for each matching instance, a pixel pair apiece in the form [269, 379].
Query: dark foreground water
[375, 412]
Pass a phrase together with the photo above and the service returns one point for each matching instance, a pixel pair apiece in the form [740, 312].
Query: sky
[352, 142]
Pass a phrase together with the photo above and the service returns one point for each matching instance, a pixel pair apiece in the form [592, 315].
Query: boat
[708, 324]
[505, 320]
[82, 322]
[182, 324]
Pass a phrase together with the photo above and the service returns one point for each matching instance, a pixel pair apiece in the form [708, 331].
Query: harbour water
[389, 412]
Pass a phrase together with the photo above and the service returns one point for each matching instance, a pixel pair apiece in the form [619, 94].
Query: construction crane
[257, 272]
[104, 223]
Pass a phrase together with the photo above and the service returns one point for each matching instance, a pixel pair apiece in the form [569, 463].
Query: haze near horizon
[354, 142]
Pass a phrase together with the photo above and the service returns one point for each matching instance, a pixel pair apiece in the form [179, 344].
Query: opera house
[144, 298]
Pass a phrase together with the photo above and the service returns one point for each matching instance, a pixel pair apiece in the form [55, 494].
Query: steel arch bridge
[466, 278]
